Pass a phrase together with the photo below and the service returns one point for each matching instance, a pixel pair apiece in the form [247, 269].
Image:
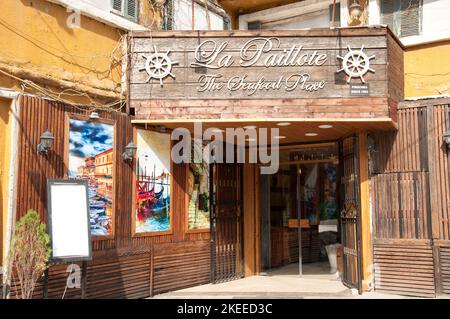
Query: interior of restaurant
[299, 207]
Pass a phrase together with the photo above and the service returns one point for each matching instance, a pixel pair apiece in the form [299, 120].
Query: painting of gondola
[152, 212]
[91, 157]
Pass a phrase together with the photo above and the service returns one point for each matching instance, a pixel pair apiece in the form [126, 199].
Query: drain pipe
[12, 186]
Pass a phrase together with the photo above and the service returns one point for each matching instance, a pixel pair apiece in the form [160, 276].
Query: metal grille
[350, 231]
[226, 222]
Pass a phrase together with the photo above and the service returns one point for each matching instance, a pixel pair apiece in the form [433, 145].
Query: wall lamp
[447, 138]
[130, 152]
[46, 142]
[356, 9]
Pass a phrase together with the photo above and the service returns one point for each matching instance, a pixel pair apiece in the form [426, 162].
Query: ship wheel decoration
[158, 66]
[356, 64]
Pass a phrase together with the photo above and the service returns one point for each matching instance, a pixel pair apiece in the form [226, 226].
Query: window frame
[397, 18]
[123, 12]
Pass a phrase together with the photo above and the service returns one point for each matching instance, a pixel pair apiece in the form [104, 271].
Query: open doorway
[300, 222]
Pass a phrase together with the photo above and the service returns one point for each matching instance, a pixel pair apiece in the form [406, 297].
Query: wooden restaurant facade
[336, 97]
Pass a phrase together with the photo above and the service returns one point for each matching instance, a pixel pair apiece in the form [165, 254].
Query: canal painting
[91, 157]
[153, 182]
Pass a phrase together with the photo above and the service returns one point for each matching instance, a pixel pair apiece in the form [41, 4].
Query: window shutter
[116, 6]
[131, 9]
[337, 14]
[410, 17]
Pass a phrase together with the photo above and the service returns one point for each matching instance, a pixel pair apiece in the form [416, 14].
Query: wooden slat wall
[439, 123]
[400, 190]
[405, 269]
[444, 267]
[400, 201]
[127, 259]
[131, 277]
[178, 266]
[404, 150]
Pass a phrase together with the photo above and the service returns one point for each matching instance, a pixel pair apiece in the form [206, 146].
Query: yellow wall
[427, 70]
[35, 36]
[5, 120]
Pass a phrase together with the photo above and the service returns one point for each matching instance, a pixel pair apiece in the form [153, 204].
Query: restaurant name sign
[249, 67]
[211, 55]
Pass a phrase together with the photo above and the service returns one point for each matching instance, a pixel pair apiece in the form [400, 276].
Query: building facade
[363, 158]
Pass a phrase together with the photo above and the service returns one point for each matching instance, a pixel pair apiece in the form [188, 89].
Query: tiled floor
[316, 282]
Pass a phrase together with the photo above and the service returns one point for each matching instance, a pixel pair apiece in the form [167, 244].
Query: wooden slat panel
[320, 108]
[122, 277]
[400, 270]
[444, 262]
[404, 150]
[176, 269]
[400, 205]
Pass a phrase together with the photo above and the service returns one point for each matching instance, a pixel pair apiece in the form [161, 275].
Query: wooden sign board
[171, 72]
[68, 220]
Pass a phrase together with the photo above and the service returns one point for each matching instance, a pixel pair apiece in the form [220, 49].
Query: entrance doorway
[226, 222]
[309, 212]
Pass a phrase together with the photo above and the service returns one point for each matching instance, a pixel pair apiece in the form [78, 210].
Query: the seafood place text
[262, 52]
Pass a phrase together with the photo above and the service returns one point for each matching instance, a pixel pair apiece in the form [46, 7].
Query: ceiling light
[250, 140]
[311, 134]
[325, 126]
[279, 137]
[284, 124]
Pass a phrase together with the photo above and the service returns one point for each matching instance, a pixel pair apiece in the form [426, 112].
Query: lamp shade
[355, 9]
[130, 151]
[47, 139]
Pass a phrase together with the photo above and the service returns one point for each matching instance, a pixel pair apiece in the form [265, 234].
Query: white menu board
[68, 220]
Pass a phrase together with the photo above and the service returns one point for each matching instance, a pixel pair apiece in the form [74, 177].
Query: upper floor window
[178, 16]
[126, 8]
[404, 17]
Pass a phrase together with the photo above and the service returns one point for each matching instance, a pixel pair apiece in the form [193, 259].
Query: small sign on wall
[68, 220]
[359, 89]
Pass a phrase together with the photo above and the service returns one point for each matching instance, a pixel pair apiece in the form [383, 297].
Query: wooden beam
[366, 238]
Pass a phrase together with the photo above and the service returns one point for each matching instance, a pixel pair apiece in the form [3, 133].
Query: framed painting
[91, 157]
[198, 198]
[152, 209]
